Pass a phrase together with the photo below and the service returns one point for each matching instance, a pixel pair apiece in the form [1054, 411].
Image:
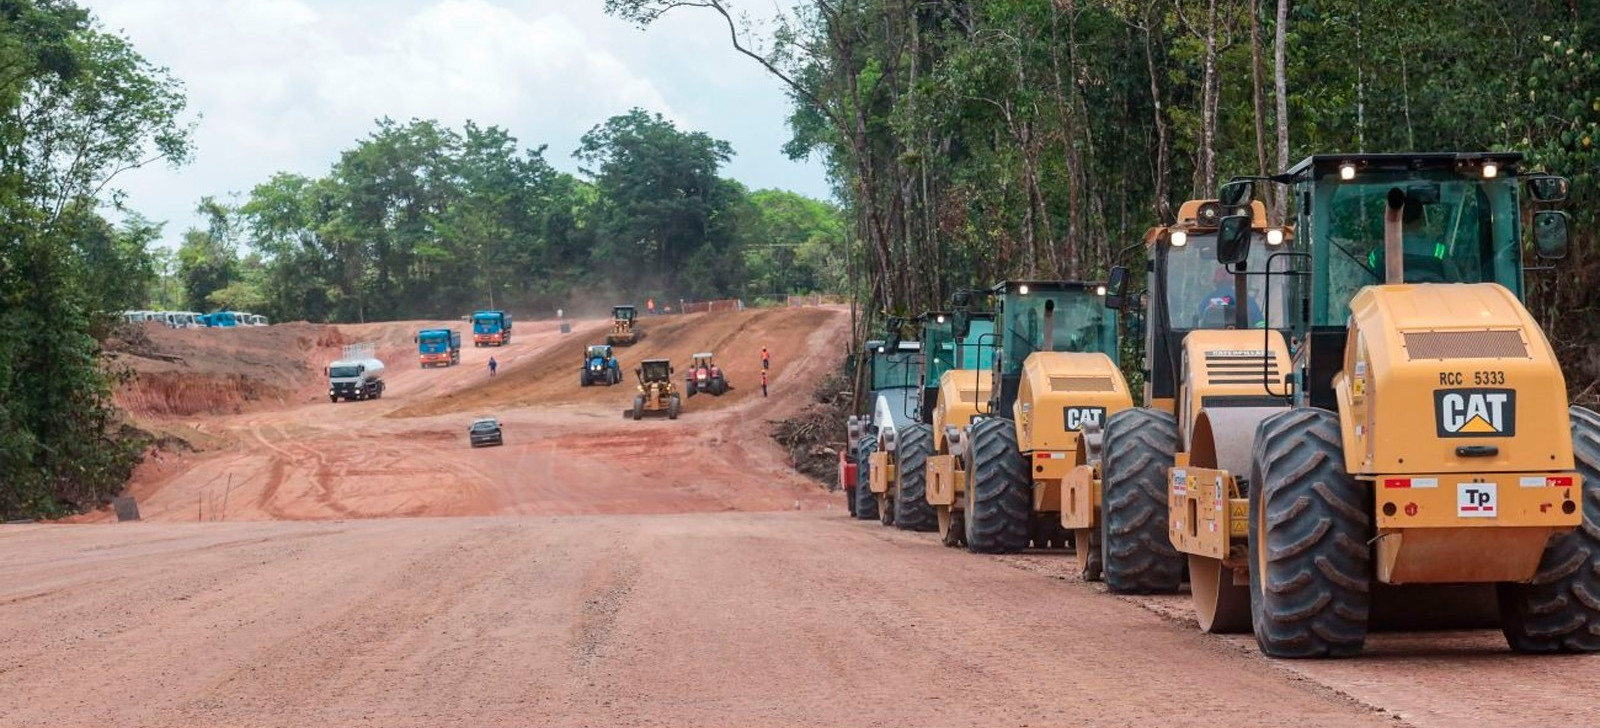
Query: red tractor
[705, 376]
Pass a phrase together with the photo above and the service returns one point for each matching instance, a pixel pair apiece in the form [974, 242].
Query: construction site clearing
[359, 563]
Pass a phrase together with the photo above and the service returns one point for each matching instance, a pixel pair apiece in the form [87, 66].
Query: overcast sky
[286, 85]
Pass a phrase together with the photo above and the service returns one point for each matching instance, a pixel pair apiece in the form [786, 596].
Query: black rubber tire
[912, 511]
[1560, 610]
[674, 405]
[1315, 597]
[638, 406]
[583, 379]
[866, 502]
[999, 492]
[1137, 556]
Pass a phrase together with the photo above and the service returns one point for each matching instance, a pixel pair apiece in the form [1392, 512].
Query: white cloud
[285, 85]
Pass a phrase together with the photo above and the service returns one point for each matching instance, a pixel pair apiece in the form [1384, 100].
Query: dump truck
[1417, 435]
[354, 379]
[1054, 373]
[438, 347]
[891, 402]
[600, 366]
[623, 332]
[656, 394]
[491, 328]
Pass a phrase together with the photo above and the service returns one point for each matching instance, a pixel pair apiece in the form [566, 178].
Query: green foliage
[423, 221]
[79, 106]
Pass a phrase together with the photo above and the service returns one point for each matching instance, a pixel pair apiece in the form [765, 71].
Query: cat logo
[1077, 417]
[1475, 412]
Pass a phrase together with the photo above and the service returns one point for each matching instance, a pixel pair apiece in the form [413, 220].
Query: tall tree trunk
[1257, 89]
[1280, 86]
[1163, 191]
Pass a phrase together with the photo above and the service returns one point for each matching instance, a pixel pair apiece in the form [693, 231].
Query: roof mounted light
[1275, 237]
[1099, 290]
[939, 318]
[1491, 170]
[1023, 289]
[1347, 171]
[1178, 238]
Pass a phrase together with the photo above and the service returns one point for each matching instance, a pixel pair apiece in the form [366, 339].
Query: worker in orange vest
[650, 306]
[766, 359]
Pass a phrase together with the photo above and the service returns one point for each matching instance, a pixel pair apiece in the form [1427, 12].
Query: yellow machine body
[1059, 395]
[881, 472]
[961, 393]
[1454, 407]
[1231, 380]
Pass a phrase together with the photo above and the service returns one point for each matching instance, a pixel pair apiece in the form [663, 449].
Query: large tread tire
[1310, 522]
[638, 407]
[999, 495]
[866, 502]
[674, 405]
[1137, 556]
[1559, 611]
[912, 511]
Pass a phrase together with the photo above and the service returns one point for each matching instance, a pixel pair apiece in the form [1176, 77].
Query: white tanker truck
[355, 378]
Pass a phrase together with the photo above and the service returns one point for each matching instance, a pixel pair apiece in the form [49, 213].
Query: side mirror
[1237, 192]
[1117, 288]
[638, 371]
[1550, 234]
[325, 372]
[415, 339]
[1233, 240]
[1548, 187]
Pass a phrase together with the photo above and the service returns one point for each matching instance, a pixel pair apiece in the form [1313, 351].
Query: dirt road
[698, 619]
[567, 449]
[603, 572]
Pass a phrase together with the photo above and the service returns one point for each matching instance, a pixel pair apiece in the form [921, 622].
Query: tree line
[419, 220]
[80, 106]
[972, 141]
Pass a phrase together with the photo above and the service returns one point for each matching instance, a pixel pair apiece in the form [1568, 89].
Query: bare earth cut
[605, 572]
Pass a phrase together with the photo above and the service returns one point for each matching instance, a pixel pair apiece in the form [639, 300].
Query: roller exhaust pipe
[1394, 269]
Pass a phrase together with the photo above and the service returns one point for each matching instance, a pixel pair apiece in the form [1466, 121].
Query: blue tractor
[600, 366]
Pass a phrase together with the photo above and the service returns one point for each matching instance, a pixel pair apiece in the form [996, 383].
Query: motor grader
[656, 394]
[1415, 432]
[1054, 372]
[1189, 293]
[623, 332]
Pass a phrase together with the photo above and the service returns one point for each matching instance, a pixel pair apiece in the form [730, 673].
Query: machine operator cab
[1044, 316]
[1191, 290]
[1459, 221]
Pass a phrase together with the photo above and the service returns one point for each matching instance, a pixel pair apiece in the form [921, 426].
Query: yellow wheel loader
[623, 331]
[1422, 435]
[1054, 373]
[1114, 500]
